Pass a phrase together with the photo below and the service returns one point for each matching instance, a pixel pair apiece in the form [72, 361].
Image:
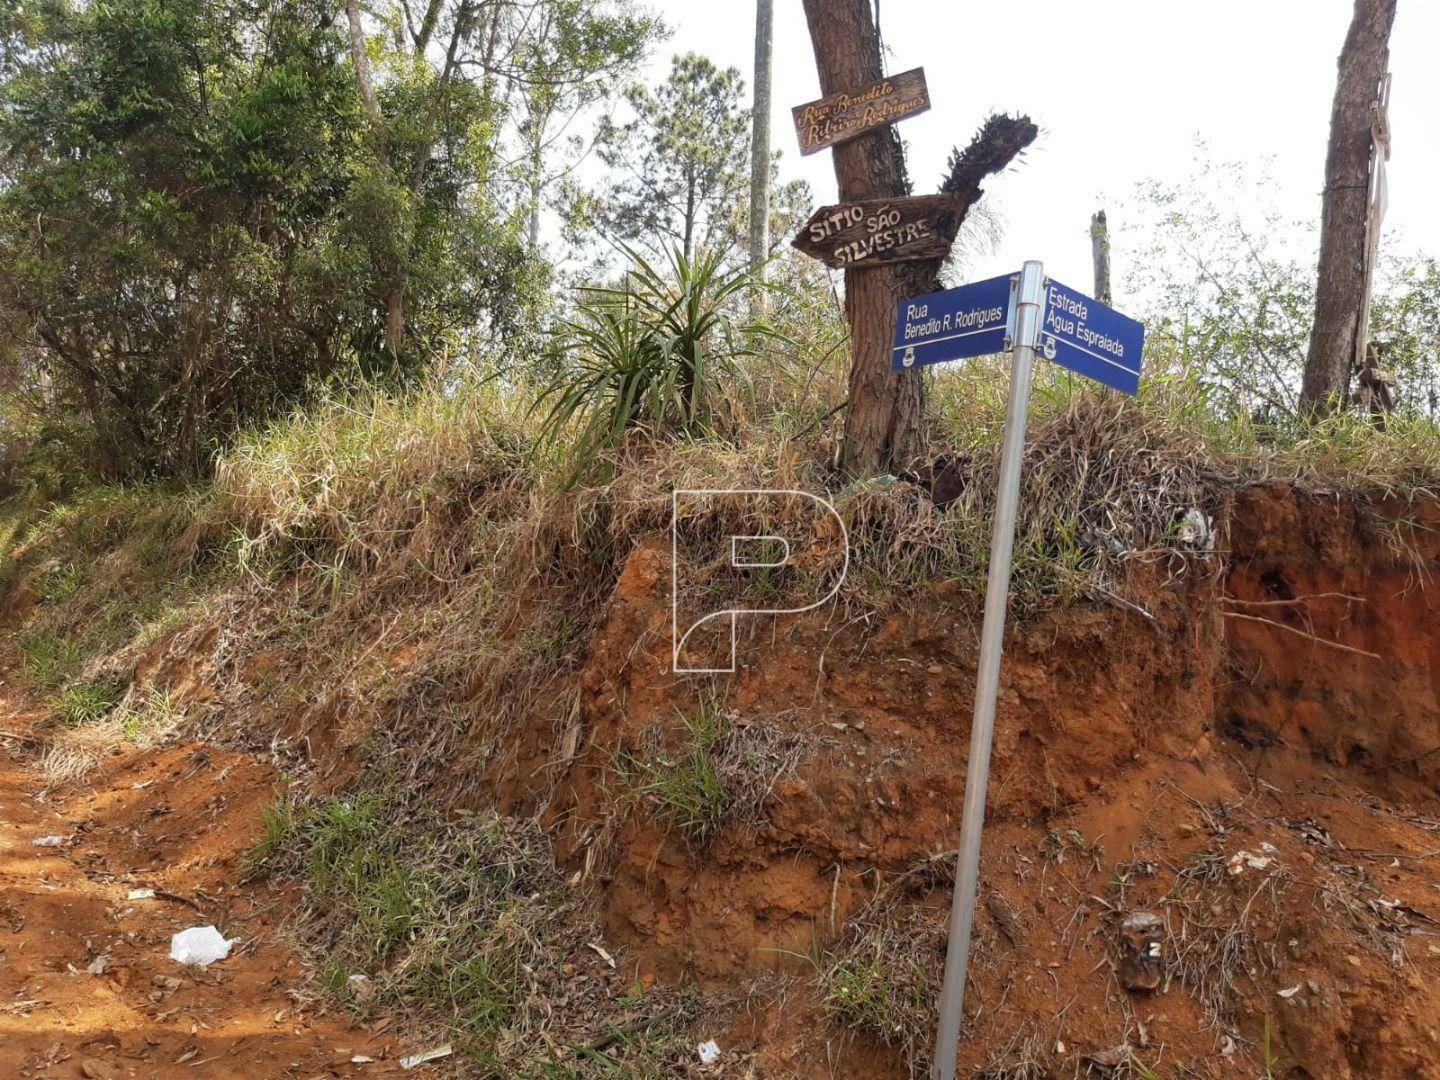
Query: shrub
[661, 351]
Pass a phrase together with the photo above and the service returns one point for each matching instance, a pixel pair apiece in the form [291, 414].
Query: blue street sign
[1082, 334]
[973, 320]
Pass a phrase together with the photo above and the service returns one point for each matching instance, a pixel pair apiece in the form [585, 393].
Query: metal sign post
[1023, 312]
[987, 679]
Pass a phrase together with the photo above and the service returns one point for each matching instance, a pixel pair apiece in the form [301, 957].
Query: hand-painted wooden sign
[844, 115]
[877, 231]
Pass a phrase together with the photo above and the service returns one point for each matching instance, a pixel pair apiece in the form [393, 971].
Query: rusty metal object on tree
[838, 117]
[1378, 391]
[873, 232]
[1142, 937]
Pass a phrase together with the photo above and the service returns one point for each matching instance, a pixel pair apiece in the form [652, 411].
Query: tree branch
[1000, 140]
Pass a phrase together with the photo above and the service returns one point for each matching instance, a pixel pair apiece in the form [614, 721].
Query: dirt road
[87, 988]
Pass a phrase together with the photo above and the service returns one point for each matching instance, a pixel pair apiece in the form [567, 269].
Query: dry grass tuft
[722, 772]
[882, 976]
[1225, 928]
[1025, 1055]
[141, 720]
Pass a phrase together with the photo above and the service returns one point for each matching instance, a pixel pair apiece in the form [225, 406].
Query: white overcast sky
[1120, 89]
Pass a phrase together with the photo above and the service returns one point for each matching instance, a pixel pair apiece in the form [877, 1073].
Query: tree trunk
[361, 61]
[884, 424]
[1100, 252]
[1340, 285]
[760, 138]
[394, 319]
[537, 165]
[394, 299]
[689, 238]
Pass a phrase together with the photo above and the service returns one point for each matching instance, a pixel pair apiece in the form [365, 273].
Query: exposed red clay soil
[1254, 756]
[1176, 740]
[176, 822]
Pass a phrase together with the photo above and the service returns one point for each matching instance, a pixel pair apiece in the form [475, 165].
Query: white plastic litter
[361, 987]
[426, 1055]
[1247, 860]
[199, 945]
[1196, 531]
[708, 1052]
[140, 894]
[49, 841]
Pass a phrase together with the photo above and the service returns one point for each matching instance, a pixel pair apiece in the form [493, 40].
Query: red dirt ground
[174, 822]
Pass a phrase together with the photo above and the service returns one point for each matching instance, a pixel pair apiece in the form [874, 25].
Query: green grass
[1269, 1061]
[867, 994]
[882, 977]
[429, 909]
[87, 702]
[60, 584]
[687, 787]
[468, 918]
[49, 658]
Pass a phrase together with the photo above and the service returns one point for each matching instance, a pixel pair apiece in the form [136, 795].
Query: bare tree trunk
[884, 424]
[760, 137]
[394, 299]
[1340, 285]
[536, 167]
[689, 238]
[1100, 252]
[366, 84]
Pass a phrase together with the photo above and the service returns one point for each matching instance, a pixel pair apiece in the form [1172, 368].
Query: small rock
[95, 1069]
[1110, 1058]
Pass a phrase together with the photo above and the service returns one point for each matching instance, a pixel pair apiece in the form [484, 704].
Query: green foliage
[194, 233]
[575, 52]
[679, 169]
[1229, 287]
[662, 351]
[168, 166]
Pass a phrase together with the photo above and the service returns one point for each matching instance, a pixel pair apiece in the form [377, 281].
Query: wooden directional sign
[853, 112]
[873, 232]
